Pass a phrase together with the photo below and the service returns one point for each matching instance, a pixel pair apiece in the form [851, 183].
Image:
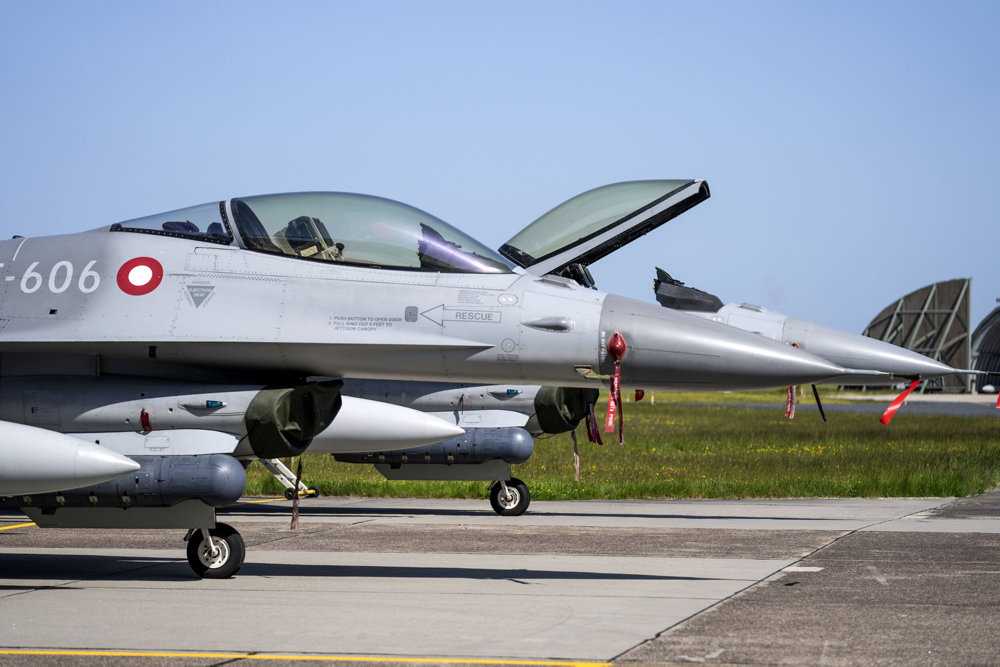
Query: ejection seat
[308, 237]
[185, 227]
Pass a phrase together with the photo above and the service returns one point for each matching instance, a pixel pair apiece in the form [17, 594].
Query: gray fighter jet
[194, 341]
[500, 421]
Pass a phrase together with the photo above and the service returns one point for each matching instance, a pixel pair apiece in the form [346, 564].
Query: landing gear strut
[287, 479]
[509, 498]
[216, 553]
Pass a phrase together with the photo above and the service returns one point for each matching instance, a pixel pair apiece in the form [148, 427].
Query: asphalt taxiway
[374, 580]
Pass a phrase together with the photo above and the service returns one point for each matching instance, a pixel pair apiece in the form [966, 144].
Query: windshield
[585, 216]
[203, 223]
[359, 229]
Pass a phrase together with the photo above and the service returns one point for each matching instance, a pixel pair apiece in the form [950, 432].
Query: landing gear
[287, 479]
[216, 553]
[509, 498]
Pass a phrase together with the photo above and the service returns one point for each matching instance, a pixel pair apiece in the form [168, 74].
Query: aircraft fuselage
[134, 303]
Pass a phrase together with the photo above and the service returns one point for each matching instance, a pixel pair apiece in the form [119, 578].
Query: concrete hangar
[936, 321]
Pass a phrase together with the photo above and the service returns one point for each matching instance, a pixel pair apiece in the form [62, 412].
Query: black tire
[232, 551]
[289, 494]
[313, 492]
[516, 504]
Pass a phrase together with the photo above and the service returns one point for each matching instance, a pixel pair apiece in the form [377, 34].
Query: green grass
[682, 451]
[830, 395]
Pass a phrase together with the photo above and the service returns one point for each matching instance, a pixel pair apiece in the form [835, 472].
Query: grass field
[674, 450]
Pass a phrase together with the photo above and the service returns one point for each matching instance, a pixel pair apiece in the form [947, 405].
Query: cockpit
[330, 227]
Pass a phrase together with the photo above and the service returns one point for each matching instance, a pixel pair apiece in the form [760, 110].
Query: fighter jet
[197, 340]
[500, 421]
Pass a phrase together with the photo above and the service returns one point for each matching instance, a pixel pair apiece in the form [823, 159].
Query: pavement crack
[289, 535]
[736, 594]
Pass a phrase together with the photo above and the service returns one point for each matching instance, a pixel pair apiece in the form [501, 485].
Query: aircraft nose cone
[766, 363]
[676, 350]
[861, 352]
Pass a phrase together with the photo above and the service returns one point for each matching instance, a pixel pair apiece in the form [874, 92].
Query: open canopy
[591, 225]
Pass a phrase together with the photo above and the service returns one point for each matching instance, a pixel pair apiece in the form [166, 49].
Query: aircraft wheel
[230, 550]
[516, 501]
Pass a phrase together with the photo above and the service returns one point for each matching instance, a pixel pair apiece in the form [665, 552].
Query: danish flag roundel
[140, 276]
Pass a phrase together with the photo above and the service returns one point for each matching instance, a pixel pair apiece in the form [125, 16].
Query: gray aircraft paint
[63, 305]
[210, 311]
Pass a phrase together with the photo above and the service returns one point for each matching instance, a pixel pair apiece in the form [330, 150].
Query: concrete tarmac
[888, 581]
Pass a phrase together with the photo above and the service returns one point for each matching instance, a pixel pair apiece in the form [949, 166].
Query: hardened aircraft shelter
[986, 350]
[935, 321]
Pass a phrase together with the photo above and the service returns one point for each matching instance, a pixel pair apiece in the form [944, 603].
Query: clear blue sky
[852, 148]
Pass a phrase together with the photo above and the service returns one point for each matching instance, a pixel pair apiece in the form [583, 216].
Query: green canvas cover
[282, 421]
[560, 409]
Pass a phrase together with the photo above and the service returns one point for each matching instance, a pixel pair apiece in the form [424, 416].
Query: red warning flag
[617, 349]
[891, 410]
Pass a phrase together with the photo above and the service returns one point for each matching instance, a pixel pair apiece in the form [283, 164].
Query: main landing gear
[509, 498]
[215, 553]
